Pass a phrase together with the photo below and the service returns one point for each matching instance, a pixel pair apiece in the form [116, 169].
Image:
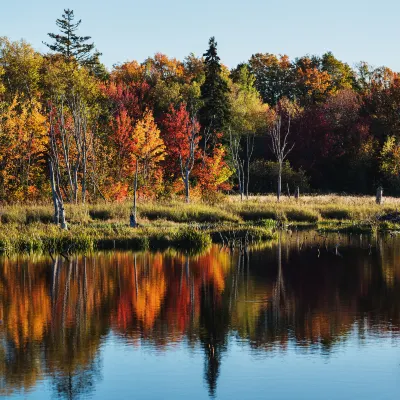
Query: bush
[335, 213]
[264, 177]
[191, 238]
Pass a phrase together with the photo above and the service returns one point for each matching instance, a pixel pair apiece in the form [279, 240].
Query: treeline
[72, 131]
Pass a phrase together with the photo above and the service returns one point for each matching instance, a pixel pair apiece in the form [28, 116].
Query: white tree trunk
[133, 219]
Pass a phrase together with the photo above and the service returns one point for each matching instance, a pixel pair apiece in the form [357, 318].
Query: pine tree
[72, 46]
[215, 113]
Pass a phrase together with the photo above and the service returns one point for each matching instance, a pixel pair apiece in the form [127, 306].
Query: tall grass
[30, 228]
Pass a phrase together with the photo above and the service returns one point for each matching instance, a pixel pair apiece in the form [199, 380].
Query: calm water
[298, 319]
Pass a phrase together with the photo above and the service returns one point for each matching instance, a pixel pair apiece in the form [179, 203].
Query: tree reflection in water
[55, 314]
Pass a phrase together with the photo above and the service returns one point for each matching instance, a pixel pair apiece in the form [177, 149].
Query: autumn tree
[21, 70]
[313, 85]
[181, 136]
[341, 75]
[73, 117]
[390, 161]
[147, 152]
[23, 124]
[248, 118]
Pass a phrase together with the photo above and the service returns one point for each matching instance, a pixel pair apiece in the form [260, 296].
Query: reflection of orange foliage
[26, 306]
[151, 292]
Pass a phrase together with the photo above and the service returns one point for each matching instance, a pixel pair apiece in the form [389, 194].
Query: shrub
[264, 176]
[335, 213]
[191, 238]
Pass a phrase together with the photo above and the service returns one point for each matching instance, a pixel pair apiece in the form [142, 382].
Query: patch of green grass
[346, 227]
[257, 214]
[302, 215]
[181, 212]
[338, 213]
[251, 233]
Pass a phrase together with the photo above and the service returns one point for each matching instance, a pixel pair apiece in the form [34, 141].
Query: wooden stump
[379, 195]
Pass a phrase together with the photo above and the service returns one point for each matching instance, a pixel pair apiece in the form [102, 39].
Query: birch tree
[280, 146]
[249, 117]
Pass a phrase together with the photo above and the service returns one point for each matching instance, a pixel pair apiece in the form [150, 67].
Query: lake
[306, 317]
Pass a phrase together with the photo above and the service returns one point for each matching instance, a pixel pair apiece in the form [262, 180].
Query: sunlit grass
[177, 224]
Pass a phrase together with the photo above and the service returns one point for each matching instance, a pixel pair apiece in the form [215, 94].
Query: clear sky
[122, 30]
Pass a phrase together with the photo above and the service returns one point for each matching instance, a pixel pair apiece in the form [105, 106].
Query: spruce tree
[215, 113]
[72, 46]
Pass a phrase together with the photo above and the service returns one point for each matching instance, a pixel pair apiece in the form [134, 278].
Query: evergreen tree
[74, 47]
[215, 113]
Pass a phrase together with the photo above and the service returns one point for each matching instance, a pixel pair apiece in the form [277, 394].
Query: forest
[72, 131]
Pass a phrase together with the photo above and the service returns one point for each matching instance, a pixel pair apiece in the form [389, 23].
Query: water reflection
[305, 290]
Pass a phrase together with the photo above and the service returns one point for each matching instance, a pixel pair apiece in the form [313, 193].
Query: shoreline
[192, 227]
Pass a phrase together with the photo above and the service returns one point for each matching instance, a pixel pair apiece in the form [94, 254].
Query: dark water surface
[298, 319]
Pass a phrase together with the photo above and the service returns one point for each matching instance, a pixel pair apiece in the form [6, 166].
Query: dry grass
[321, 200]
[307, 208]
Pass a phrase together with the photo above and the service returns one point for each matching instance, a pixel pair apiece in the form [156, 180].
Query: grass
[38, 237]
[180, 225]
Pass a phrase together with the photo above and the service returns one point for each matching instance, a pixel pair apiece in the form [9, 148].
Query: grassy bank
[180, 225]
[230, 210]
[41, 237]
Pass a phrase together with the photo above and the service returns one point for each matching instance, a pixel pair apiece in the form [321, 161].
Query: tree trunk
[76, 185]
[84, 185]
[279, 182]
[54, 195]
[297, 193]
[187, 186]
[379, 195]
[240, 184]
[133, 220]
[249, 152]
[61, 213]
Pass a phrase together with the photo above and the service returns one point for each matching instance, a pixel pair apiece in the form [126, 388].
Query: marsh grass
[181, 225]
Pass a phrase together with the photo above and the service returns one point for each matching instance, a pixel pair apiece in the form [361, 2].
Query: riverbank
[189, 226]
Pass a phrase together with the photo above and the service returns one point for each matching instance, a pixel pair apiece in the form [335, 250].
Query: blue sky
[353, 30]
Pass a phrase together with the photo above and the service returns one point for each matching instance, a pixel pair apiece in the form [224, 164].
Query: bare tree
[133, 217]
[234, 142]
[280, 147]
[55, 176]
[187, 162]
[249, 154]
[242, 163]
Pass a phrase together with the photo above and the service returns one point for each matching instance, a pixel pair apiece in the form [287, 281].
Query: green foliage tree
[73, 46]
[20, 68]
[248, 117]
[342, 76]
[216, 110]
[274, 77]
